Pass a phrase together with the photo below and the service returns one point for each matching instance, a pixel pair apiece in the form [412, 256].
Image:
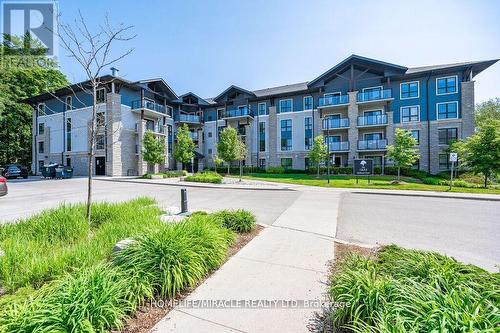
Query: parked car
[15, 171]
[3, 186]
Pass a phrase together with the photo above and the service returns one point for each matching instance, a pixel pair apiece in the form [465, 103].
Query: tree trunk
[399, 173]
[241, 170]
[318, 170]
[91, 153]
[485, 181]
[228, 165]
[215, 165]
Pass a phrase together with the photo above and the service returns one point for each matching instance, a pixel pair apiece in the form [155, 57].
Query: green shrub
[147, 176]
[408, 172]
[431, 181]
[275, 170]
[333, 170]
[172, 174]
[205, 177]
[236, 220]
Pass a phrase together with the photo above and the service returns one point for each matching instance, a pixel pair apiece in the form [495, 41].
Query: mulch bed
[148, 315]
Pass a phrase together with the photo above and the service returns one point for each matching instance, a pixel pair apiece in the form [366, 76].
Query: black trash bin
[67, 172]
[49, 171]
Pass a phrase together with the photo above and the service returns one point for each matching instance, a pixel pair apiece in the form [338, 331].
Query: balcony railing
[240, 112]
[372, 144]
[374, 95]
[161, 129]
[379, 119]
[338, 146]
[193, 135]
[189, 118]
[150, 105]
[334, 100]
[332, 123]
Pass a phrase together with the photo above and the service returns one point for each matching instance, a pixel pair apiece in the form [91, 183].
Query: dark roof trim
[476, 66]
[201, 101]
[165, 84]
[231, 88]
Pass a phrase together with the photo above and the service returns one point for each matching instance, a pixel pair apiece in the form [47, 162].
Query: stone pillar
[317, 123]
[142, 167]
[352, 132]
[467, 108]
[389, 130]
[273, 137]
[248, 144]
[113, 135]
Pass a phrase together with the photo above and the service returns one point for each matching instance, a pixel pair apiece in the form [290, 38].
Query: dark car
[3, 186]
[15, 171]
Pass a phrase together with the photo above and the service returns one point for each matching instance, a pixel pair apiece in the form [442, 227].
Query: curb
[199, 186]
[430, 195]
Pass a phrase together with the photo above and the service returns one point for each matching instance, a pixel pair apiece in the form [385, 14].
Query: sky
[204, 46]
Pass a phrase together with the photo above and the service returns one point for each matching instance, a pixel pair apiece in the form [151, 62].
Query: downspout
[428, 123]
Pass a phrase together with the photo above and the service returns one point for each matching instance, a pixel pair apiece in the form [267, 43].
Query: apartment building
[356, 105]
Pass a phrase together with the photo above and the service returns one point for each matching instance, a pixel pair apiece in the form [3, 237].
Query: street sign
[453, 157]
[363, 167]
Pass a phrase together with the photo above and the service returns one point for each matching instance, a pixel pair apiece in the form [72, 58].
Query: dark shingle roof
[289, 88]
[478, 66]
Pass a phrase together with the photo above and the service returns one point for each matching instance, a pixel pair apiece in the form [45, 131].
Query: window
[41, 128]
[40, 165]
[100, 119]
[68, 134]
[307, 162]
[41, 147]
[262, 136]
[262, 163]
[209, 151]
[262, 109]
[100, 95]
[99, 141]
[373, 136]
[41, 109]
[447, 110]
[447, 135]
[286, 163]
[209, 134]
[410, 113]
[170, 138]
[416, 165]
[308, 133]
[416, 135]
[446, 85]
[286, 134]
[308, 103]
[68, 104]
[170, 111]
[68, 161]
[444, 162]
[286, 105]
[409, 90]
[377, 160]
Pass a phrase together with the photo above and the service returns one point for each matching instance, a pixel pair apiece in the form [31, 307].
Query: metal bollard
[184, 201]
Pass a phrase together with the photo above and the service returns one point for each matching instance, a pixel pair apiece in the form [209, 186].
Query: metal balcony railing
[372, 144]
[240, 112]
[150, 105]
[379, 119]
[189, 118]
[332, 123]
[333, 100]
[338, 146]
[194, 135]
[374, 95]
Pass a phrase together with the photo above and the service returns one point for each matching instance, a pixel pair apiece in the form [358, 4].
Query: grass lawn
[376, 182]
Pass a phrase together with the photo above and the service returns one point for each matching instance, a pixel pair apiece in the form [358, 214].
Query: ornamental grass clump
[239, 220]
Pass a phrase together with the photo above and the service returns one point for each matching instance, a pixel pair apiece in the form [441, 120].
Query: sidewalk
[287, 261]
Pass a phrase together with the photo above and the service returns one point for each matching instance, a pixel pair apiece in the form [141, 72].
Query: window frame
[409, 107]
[98, 101]
[68, 106]
[440, 103]
[69, 143]
[287, 159]
[265, 109]
[410, 97]
[43, 127]
[44, 109]
[447, 77]
[262, 132]
[97, 143]
[447, 136]
[290, 147]
[448, 163]
[42, 145]
[304, 103]
[418, 135]
[285, 100]
[306, 138]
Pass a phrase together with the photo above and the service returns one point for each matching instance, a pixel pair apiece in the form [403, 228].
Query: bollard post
[184, 201]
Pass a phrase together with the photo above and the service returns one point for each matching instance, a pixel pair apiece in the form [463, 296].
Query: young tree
[481, 152]
[184, 148]
[154, 149]
[241, 154]
[93, 51]
[487, 111]
[318, 152]
[403, 152]
[217, 161]
[227, 145]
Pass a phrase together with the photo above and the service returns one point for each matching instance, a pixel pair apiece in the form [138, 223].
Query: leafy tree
[154, 149]
[318, 152]
[241, 154]
[487, 111]
[217, 161]
[481, 152]
[227, 145]
[184, 148]
[403, 152]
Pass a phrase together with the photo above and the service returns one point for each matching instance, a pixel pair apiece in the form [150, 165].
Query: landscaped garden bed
[205, 177]
[60, 273]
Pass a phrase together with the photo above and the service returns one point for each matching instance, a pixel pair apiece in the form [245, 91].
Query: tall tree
[184, 148]
[154, 149]
[227, 145]
[241, 154]
[93, 52]
[487, 111]
[318, 152]
[403, 152]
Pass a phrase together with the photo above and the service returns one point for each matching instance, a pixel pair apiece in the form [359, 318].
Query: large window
[286, 134]
[446, 85]
[41, 149]
[410, 113]
[41, 128]
[409, 90]
[286, 163]
[447, 110]
[68, 105]
[262, 109]
[447, 135]
[308, 133]
[170, 138]
[99, 142]
[262, 136]
[100, 119]
[286, 105]
[416, 135]
[308, 103]
[444, 162]
[262, 163]
[100, 95]
[68, 134]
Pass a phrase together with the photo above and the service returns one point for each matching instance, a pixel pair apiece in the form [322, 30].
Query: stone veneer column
[317, 123]
[113, 140]
[352, 132]
[248, 144]
[467, 106]
[389, 130]
[142, 166]
[273, 137]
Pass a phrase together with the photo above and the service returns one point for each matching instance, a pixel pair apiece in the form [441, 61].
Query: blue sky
[204, 46]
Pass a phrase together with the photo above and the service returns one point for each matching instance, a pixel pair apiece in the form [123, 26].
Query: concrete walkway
[286, 261]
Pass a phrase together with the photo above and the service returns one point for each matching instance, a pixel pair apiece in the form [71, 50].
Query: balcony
[155, 129]
[335, 123]
[372, 144]
[331, 101]
[194, 136]
[338, 146]
[242, 112]
[151, 108]
[375, 120]
[189, 118]
[374, 96]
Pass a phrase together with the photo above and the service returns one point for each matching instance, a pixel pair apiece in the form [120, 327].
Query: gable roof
[163, 85]
[289, 88]
[201, 101]
[232, 88]
[476, 66]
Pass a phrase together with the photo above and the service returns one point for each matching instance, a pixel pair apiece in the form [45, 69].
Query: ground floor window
[307, 162]
[40, 165]
[99, 141]
[68, 161]
[416, 165]
[286, 163]
[262, 163]
[377, 160]
[444, 162]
